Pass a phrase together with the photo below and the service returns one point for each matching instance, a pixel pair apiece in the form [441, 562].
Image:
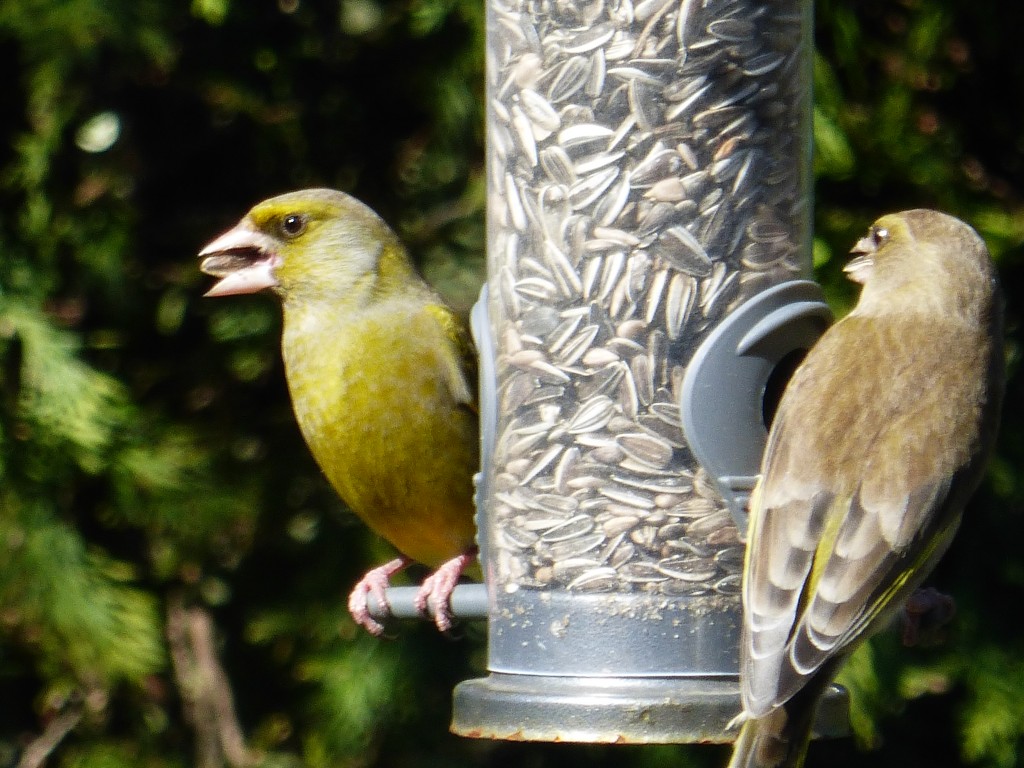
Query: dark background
[153, 483]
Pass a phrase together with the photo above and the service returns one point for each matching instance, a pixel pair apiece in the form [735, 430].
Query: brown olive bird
[879, 440]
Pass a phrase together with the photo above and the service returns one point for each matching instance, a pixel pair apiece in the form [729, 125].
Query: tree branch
[206, 691]
[39, 748]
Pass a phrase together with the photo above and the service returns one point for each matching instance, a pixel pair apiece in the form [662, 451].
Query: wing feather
[843, 498]
[459, 361]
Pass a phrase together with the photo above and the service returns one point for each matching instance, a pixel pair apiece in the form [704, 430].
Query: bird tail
[771, 741]
[779, 739]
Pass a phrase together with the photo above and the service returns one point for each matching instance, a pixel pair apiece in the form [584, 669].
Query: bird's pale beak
[243, 258]
[859, 268]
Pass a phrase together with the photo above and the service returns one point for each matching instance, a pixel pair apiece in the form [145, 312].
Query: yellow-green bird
[879, 440]
[382, 377]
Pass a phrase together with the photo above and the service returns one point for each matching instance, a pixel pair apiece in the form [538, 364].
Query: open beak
[860, 267]
[243, 258]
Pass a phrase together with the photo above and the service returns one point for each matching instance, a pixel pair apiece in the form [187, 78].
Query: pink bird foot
[436, 590]
[373, 583]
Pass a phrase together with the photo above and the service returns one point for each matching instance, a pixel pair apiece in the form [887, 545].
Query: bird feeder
[649, 211]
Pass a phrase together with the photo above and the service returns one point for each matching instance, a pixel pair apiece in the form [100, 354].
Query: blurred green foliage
[152, 482]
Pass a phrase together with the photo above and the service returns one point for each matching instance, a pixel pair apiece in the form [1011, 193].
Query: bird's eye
[293, 225]
[880, 235]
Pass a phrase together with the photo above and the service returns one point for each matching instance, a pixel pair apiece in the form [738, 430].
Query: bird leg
[374, 583]
[436, 590]
[925, 614]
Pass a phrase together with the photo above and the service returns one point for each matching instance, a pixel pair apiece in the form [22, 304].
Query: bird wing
[852, 501]
[460, 360]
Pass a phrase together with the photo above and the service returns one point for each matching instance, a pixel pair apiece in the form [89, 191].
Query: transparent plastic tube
[648, 171]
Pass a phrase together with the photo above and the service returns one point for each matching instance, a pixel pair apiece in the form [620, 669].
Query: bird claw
[925, 614]
[434, 597]
[375, 582]
[737, 721]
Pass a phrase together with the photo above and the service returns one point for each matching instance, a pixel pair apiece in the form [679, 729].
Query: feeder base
[614, 710]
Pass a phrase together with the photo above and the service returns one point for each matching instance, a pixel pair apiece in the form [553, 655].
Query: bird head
[860, 267]
[921, 259]
[311, 244]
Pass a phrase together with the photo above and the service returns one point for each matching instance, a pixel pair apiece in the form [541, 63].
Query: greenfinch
[878, 442]
[382, 377]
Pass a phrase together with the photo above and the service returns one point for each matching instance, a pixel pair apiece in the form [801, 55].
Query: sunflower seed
[569, 79]
[729, 585]
[646, 449]
[580, 545]
[578, 345]
[593, 415]
[595, 579]
[730, 559]
[682, 293]
[523, 134]
[641, 573]
[590, 39]
[660, 164]
[709, 524]
[589, 188]
[570, 529]
[583, 134]
[629, 498]
[684, 252]
[688, 568]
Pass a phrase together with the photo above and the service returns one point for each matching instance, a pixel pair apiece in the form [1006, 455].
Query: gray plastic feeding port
[734, 365]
